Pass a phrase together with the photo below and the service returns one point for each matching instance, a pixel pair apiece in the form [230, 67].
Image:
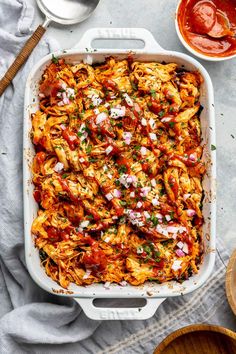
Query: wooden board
[230, 282]
[199, 339]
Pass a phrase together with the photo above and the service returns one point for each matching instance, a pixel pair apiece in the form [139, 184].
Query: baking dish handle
[150, 44]
[113, 313]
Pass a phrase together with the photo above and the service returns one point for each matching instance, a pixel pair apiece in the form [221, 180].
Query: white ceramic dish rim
[155, 293]
[192, 50]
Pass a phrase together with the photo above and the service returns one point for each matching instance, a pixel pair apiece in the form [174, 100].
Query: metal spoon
[65, 12]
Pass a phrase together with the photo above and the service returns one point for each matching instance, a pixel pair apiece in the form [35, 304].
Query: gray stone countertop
[158, 17]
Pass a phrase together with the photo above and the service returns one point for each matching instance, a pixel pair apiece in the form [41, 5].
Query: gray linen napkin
[33, 321]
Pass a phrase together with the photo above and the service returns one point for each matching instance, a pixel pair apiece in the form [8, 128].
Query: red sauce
[71, 138]
[110, 85]
[37, 195]
[201, 20]
[154, 106]
[40, 157]
[66, 188]
[95, 259]
[56, 235]
[173, 185]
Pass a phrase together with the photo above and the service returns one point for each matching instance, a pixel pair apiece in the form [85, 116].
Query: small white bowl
[191, 49]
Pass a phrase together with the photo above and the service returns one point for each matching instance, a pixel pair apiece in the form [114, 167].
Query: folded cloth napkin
[33, 321]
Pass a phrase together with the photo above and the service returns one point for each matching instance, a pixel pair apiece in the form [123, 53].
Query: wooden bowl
[230, 282]
[199, 339]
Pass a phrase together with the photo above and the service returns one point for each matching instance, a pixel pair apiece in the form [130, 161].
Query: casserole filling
[118, 172]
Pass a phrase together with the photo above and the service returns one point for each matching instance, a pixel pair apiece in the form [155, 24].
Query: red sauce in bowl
[209, 26]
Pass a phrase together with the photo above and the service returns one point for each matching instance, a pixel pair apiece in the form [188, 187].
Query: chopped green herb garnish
[153, 93]
[55, 59]
[122, 169]
[154, 220]
[137, 147]
[134, 86]
[88, 149]
[213, 147]
[42, 255]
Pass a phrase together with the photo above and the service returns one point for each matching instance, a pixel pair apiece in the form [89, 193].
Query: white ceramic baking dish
[154, 294]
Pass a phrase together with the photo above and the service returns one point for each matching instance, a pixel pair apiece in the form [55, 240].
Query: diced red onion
[180, 244]
[153, 182]
[88, 60]
[63, 85]
[162, 230]
[152, 123]
[117, 112]
[145, 191]
[168, 218]
[144, 122]
[190, 212]
[107, 285]
[117, 193]
[153, 136]
[146, 214]
[87, 274]
[165, 119]
[182, 229]
[65, 99]
[96, 100]
[109, 196]
[180, 253]
[185, 248]
[139, 205]
[186, 196]
[58, 167]
[129, 101]
[101, 117]
[70, 92]
[172, 229]
[155, 202]
[139, 250]
[143, 151]
[176, 265]
[123, 283]
[193, 157]
[127, 136]
[158, 216]
[84, 224]
[109, 149]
